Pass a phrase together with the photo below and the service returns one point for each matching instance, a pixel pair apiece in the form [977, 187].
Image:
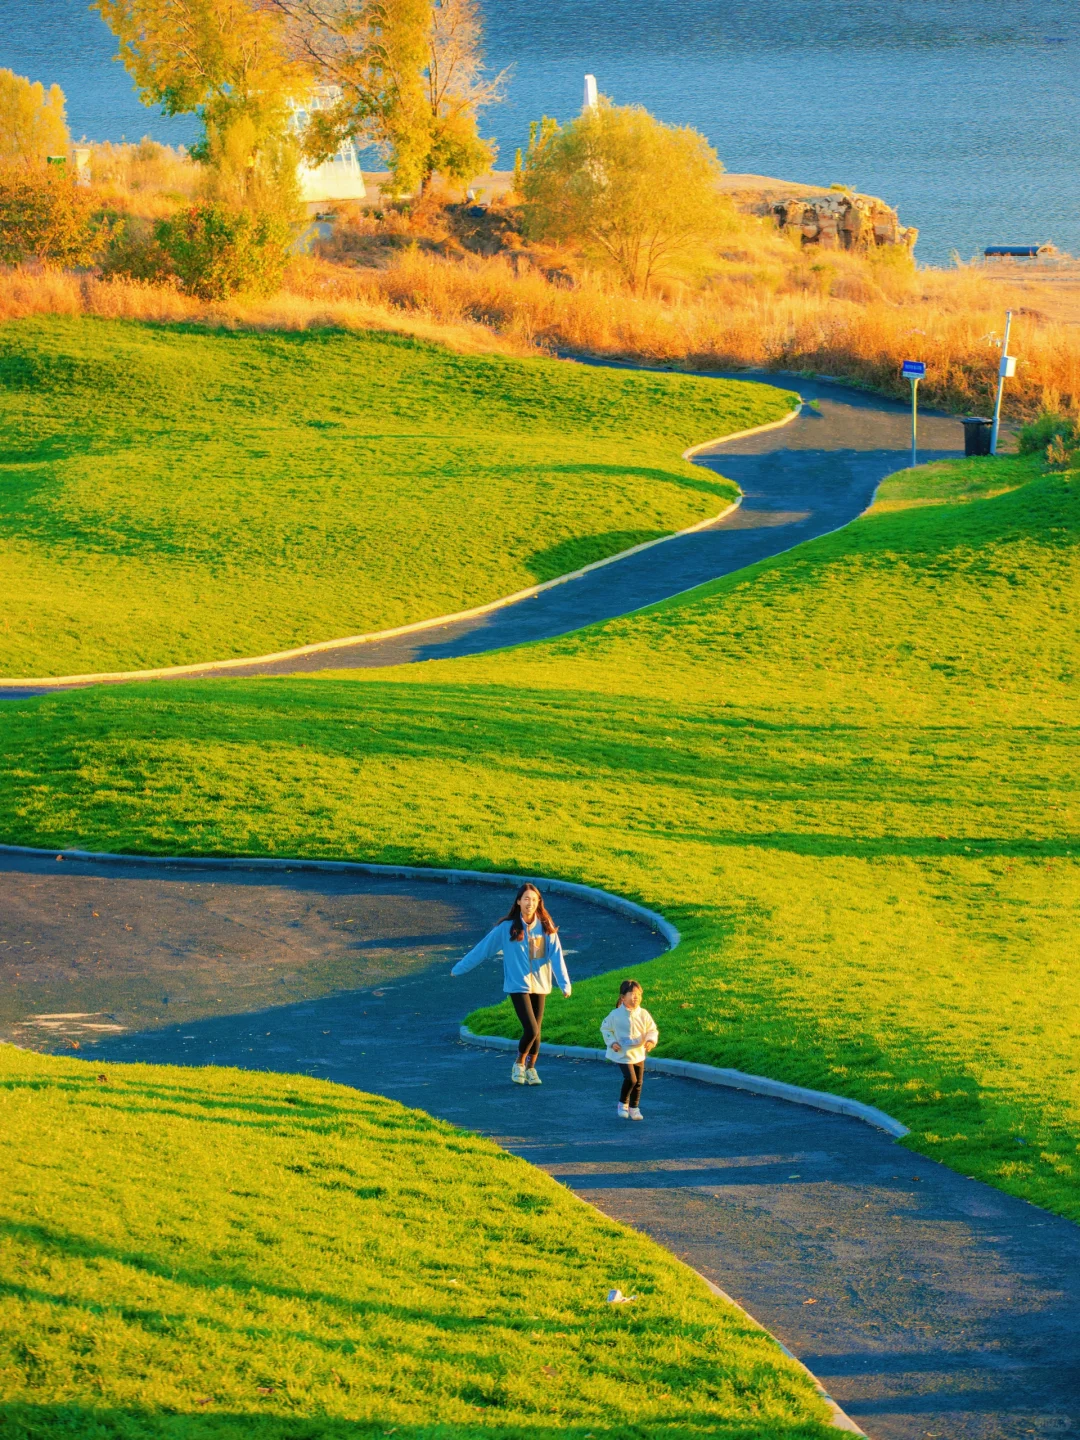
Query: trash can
[977, 435]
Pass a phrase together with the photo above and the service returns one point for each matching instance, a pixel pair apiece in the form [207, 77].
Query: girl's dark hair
[517, 925]
[627, 986]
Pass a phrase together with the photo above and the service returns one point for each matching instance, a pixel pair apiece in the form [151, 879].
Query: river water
[965, 114]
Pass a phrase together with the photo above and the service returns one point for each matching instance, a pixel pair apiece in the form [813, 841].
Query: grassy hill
[171, 495]
[212, 1253]
[848, 774]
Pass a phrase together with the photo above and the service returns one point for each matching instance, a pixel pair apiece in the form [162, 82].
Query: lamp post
[1006, 370]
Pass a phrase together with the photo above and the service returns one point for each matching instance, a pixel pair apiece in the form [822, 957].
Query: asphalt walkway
[805, 479]
[928, 1304]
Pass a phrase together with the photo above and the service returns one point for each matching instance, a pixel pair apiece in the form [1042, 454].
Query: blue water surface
[963, 113]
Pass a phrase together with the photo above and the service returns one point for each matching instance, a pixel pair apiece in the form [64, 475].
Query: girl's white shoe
[623, 1111]
[635, 1114]
[517, 1074]
[531, 1077]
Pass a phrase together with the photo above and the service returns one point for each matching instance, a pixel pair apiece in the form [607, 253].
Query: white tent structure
[338, 178]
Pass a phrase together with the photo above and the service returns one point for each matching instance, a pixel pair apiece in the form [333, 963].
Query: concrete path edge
[714, 1075]
[688, 1069]
[372, 636]
[840, 1420]
[708, 1073]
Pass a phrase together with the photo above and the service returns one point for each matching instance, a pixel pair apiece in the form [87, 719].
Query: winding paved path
[805, 479]
[928, 1304]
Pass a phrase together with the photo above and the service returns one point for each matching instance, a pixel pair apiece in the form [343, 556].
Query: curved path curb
[938, 1305]
[363, 867]
[688, 1069]
[713, 1075]
[416, 627]
[840, 1420]
[602, 898]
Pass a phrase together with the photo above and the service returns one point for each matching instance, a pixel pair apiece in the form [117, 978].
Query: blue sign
[914, 369]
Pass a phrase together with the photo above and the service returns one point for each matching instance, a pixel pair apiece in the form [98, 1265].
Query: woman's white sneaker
[531, 1077]
[517, 1074]
[635, 1114]
[623, 1111]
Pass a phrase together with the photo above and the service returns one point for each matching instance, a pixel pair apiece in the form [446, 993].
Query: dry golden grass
[761, 303]
[836, 314]
[26, 291]
[146, 179]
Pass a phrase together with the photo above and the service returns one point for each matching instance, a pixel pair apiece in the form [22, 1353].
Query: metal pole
[1001, 384]
[914, 420]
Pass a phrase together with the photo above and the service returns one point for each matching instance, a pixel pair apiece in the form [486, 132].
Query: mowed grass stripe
[848, 775]
[197, 1253]
[172, 495]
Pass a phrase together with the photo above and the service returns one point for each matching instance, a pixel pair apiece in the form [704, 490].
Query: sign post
[914, 370]
[1006, 370]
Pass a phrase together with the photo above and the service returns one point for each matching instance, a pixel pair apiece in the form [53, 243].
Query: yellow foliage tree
[411, 78]
[639, 194]
[225, 61]
[32, 123]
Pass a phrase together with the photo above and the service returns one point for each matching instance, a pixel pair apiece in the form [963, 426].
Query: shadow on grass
[215, 1278]
[708, 482]
[20, 1421]
[574, 554]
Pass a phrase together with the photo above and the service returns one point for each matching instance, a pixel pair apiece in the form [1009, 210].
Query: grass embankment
[847, 774]
[191, 1253]
[171, 496]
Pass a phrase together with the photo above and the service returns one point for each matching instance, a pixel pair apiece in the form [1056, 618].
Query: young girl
[630, 1033]
[532, 955]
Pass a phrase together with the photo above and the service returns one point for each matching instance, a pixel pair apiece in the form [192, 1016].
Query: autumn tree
[630, 190]
[44, 216]
[225, 61]
[411, 79]
[32, 124]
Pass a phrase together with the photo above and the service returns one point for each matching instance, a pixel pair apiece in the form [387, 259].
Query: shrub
[44, 216]
[1050, 430]
[209, 250]
[135, 253]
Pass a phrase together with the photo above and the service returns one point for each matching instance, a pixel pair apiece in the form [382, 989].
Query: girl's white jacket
[630, 1030]
[528, 963]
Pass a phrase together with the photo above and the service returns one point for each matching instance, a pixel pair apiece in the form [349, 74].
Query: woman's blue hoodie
[528, 963]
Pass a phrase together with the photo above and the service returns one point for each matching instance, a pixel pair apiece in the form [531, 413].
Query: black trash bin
[977, 435]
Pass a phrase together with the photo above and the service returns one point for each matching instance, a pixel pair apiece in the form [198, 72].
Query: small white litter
[616, 1297]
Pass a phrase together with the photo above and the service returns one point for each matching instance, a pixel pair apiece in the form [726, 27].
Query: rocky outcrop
[842, 220]
[835, 218]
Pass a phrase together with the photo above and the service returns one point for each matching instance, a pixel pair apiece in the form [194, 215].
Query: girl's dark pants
[632, 1078]
[530, 1011]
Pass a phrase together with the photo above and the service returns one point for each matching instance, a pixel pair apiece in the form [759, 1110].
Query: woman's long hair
[517, 925]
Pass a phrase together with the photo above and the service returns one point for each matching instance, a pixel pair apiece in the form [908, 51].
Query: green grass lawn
[848, 774]
[170, 495]
[213, 1253]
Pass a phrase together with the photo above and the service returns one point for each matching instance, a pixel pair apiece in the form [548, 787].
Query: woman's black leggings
[530, 1011]
[632, 1078]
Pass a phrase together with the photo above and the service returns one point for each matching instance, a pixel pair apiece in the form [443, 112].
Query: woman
[531, 951]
